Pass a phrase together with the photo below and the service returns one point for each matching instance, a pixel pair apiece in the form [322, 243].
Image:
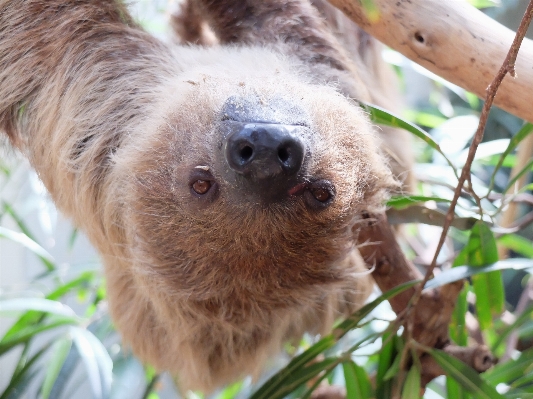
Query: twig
[508, 66]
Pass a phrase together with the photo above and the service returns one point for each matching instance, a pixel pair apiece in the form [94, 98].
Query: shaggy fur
[115, 122]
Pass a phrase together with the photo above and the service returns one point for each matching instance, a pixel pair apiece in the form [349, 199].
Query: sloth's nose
[264, 151]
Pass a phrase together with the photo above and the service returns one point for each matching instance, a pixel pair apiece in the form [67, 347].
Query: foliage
[60, 351]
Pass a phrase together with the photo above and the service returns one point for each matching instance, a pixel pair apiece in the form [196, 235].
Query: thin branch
[508, 66]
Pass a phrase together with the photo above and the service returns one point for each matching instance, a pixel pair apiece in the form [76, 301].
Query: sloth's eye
[320, 194]
[201, 186]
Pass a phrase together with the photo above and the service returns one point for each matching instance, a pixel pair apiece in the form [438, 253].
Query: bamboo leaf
[280, 378]
[464, 375]
[510, 370]
[385, 361]
[36, 304]
[60, 351]
[517, 243]
[482, 250]
[302, 376]
[383, 117]
[517, 138]
[357, 382]
[411, 387]
[520, 173]
[27, 242]
[458, 330]
[453, 389]
[481, 289]
[8, 209]
[401, 202]
[97, 361]
[526, 316]
[28, 333]
[21, 380]
[462, 272]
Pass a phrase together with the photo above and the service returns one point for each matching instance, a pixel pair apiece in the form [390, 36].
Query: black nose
[264, 150]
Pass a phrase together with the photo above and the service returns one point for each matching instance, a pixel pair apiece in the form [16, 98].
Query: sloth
[222, 186]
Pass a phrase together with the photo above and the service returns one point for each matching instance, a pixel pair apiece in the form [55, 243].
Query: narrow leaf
[411, 387]
[518, 244]
[466, 376]
[401, 202]
[277, 380]
[517, 138]
[36, 304]
[60, 351]
[27, 242]
[98, 363]
[357, 382]
[462, 272]
[21, 380]
[383, 117]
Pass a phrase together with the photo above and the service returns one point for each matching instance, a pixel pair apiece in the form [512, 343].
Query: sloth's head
[249, 188]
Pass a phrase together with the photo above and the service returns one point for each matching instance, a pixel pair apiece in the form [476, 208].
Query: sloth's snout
[264, 151]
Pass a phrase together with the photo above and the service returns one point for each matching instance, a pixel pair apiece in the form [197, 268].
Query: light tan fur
[114, 121]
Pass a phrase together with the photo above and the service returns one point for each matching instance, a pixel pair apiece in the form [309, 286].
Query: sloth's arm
[74, 76]
[296, 27]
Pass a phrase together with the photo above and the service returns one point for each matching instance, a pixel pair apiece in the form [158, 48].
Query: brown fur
[114, 121]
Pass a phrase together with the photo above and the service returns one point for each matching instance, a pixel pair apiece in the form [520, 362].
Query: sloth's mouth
[317, 194]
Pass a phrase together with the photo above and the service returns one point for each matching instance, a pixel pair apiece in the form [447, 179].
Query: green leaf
[520, 173]
[36, 304]
[481, 251]
[60, 351]
[231, 391]
[385, 361]
[22, 379]
[8, 209]
[421, 214]
[526, 316]
[453, 389]
[461, 272]
[517, 138]
[357, 382]
[72, 238]
[511, 370]
[480, 286]
[302, 376]
[518, 244]
[35, 317]
[28, 333]
[98, 363]
[466, 376]
[280, 378]
[394, 369]
[401, 202]
[411, 387]
[458, 330]
[383, 117]
[27, 242]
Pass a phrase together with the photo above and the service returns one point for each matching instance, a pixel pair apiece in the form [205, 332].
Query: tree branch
[454, 40]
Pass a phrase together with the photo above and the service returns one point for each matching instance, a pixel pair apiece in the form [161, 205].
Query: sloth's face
[249, 192]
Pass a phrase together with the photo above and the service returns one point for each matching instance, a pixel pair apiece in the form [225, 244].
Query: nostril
[283, 154]
[246, 153]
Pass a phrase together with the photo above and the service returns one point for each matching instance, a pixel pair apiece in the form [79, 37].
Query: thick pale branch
[455, 41]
